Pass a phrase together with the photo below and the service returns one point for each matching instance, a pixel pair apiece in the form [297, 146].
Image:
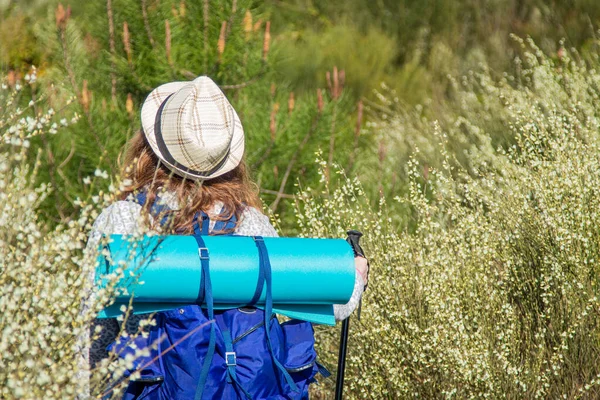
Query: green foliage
[469, 28]
[365, 57]
[110, 71]
[18, 43]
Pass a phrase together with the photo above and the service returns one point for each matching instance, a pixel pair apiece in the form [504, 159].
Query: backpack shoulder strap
[201, 229]
[156, 208]
[228, 225]
[220, 225]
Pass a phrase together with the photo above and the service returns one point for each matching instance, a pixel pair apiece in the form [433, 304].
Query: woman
[186, 162]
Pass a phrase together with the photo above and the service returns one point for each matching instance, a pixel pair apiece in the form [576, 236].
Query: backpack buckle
[230, 359]
[203, 253]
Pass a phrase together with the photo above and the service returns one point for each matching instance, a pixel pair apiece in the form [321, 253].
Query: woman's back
[186, 163]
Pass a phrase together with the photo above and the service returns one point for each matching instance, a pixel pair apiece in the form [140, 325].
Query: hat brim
[148, 116]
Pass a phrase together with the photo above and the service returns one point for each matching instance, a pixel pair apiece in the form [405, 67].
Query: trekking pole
[353, 239]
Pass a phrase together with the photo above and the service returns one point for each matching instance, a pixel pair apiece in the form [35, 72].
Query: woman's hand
[362, 266]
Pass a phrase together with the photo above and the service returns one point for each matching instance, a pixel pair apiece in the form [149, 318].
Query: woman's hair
[142, 171]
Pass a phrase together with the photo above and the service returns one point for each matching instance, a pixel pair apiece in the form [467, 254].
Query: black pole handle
[353, 239]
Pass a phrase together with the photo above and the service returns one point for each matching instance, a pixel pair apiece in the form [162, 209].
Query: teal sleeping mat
[164, 272]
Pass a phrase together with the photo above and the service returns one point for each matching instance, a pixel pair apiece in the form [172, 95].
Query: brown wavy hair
[143, 171]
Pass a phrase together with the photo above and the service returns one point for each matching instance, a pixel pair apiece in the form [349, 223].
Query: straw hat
[193, 129]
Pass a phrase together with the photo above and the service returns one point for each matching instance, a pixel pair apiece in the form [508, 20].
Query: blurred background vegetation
[316, 85]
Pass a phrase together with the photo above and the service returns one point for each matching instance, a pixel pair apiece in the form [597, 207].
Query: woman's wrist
[362, 266]
[361, 278]
[362, 275]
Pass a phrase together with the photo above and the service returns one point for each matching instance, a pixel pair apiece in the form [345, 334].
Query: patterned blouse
[123, 217]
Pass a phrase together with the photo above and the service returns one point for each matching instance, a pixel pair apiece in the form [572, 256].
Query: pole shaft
[339, 382]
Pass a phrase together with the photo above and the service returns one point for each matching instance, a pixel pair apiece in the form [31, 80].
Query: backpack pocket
[299, 341]
[151, 375]
[142, 389]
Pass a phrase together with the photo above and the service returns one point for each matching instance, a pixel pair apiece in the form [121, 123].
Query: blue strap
[266, 266]
[222, 226]
[141, 198]
[231, 361]
[203, 254]
[106, 259]
[323, 370]
[206, 288]
[156, 208]
[261, 276]
[205, 224]
[230, 357]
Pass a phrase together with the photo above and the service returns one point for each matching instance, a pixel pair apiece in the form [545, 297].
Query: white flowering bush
[46, 302]
[490, 288]
[39, 267]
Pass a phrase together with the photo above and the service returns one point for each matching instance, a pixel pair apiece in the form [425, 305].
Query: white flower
[100, 173]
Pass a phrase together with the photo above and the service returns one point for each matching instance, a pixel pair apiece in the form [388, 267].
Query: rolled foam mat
[308, 275]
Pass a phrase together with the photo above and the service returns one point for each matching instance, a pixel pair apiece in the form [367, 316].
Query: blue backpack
[245, 354]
